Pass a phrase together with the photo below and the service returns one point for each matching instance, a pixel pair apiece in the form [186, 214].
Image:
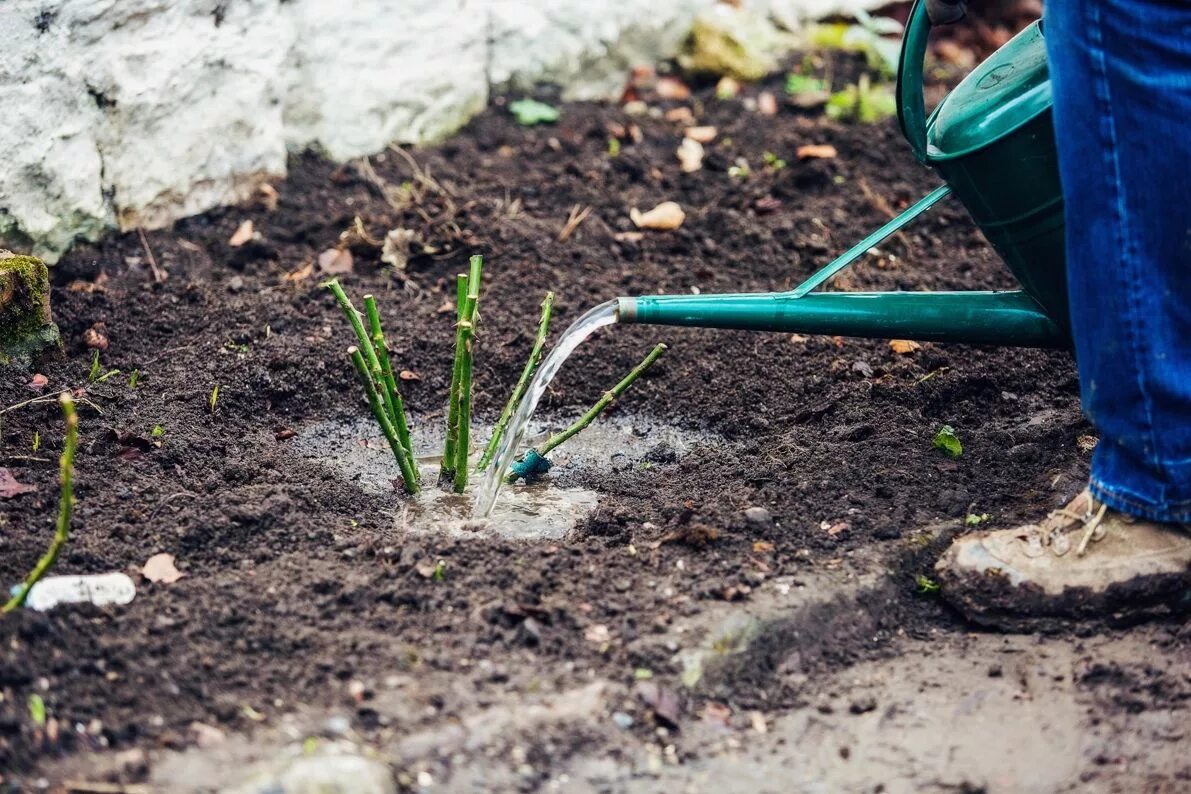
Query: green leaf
[157, 432]
[95, 369]
[863, 102]
[971, 519]
[643, 674]
[947, 441]
[925, 585]
[529, 112]
[37, 710]
[803, 84]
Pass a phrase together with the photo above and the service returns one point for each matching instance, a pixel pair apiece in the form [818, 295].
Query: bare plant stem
[447, 469]
[365, 342]
[531, 366]
[601, 405]
[387, 379]
[404, 460]
[468, 328]
[65, 506]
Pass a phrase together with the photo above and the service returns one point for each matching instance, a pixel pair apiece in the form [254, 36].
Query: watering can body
[992, 141]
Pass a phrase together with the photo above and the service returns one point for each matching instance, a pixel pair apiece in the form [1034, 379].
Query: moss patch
[26, 325]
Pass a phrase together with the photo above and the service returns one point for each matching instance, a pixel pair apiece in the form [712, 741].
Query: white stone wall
[137, 112]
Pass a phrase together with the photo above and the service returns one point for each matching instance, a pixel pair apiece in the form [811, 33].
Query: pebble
[863, 705]
[758, 516]
[622, 720]
[339, 773]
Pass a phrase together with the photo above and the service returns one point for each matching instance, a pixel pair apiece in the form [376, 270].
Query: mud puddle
[355, 451]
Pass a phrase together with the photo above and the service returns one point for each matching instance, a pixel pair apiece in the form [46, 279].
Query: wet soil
[302, 591]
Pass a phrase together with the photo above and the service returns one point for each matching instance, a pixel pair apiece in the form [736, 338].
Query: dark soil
[296, 583]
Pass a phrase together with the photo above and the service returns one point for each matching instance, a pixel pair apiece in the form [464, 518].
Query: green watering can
[992, 141]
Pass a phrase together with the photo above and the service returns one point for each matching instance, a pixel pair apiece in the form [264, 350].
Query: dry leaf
[245, 232]
[690, 155]
[161, 568]
[762, 546]
[664, 217]
[95, 338]
[757, 720]
[598, 634]
[9, 487]
[38, 382]
[834, 529]
[903, 346]
[335, 261]
[302, 273]
[726, 88]
[396, 248]
[672, 88]
[700, 134]
[409, 374]
[662, 700]
[446, 307]
[767, 104]
[267, 196]
[820, 151]
[627, 237]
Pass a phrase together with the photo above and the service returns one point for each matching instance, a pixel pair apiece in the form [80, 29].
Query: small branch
[65, 507]
[468, 329]
[386, 379]
[365, 342]
[447, 469]
[534, 458]
[531, 366]
[382, 418]
[159, 275]
[576, 216]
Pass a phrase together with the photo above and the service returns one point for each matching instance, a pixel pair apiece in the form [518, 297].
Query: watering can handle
[911, 105]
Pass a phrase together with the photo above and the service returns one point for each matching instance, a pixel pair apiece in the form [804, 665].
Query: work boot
[1083, 561]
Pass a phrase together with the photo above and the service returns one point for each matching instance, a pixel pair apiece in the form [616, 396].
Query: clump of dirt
[298, 585]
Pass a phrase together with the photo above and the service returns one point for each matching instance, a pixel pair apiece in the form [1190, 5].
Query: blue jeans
[1121, 73]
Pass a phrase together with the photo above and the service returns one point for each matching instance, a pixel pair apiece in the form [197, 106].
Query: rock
[26, 326]
[863, 705]
[336, 772]
[622, 720]
[529, 633]
[758, 517]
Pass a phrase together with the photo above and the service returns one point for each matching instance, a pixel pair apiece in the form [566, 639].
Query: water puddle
[354, 451]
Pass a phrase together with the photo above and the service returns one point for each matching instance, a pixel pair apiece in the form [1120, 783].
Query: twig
[447, 469]
[386, 376]
[382, 418]
[574, 218]
[365, 342]
[531, 366]
[555, 440]
[33, 400]
[159, 275]
[468, 334]
[65, 507]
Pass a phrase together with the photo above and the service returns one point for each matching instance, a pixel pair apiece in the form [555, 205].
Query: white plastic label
[98, 589]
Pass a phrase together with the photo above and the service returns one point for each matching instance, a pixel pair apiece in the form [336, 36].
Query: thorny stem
[65, 506]
[601, 405]
[447, 469]
[365, 343]
[382, 418]
[386, 379]
[531, 366]
[468, 329]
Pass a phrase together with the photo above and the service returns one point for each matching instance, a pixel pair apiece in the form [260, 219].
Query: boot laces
[1053, 532]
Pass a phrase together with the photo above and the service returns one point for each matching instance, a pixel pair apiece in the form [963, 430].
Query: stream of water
[585, 326]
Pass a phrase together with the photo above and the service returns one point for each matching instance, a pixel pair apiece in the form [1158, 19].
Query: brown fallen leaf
[767, 104]
[816, 151]
[835, 528]
[662, 701]
[700, 134]
[903, 346]
[267, 196]
[301, 274]
[409, 374]
[37, 382]
[762, 546]
[598, 634]
[682, 115]
[244, 232]
[335, 261]
[95, 337]
[446, 307]
[397, 246]
[621, 237]
[9, 487]
[690, 155]
[717, 714]
[664, 217]
[672, 88]
[161, 568]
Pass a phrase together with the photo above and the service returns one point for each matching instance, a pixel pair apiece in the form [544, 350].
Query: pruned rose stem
[404, 460]
[387, 379]
[446, 474]
[552, 443]
[365, 342]
[467, 327]
[531, 366]
[65, 506]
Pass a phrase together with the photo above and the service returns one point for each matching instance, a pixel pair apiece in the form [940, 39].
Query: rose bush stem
[531, 366]
[467, 328]
[404, 461]
[387, 379]
[65, 506]
[447, 469]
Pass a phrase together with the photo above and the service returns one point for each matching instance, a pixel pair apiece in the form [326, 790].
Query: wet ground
[739, 615]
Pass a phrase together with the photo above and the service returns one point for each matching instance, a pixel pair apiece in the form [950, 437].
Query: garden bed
[302, 589]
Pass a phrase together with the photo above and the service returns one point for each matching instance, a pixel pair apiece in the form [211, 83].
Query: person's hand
[944, 12]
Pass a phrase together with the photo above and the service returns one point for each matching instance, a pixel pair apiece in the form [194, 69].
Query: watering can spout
[991, 317]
